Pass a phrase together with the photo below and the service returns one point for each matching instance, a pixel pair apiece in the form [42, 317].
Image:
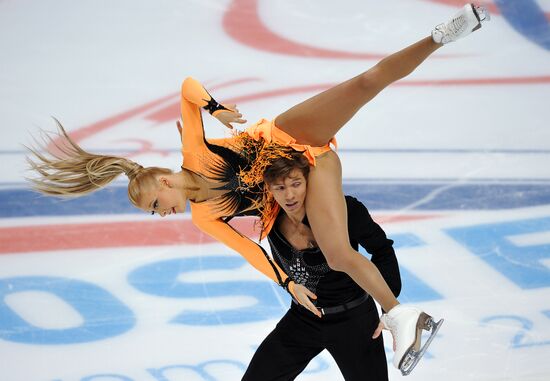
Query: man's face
[290, 191]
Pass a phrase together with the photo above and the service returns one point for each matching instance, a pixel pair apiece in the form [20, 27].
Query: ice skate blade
[412, 357]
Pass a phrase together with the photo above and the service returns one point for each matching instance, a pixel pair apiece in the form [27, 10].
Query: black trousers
[300, 336]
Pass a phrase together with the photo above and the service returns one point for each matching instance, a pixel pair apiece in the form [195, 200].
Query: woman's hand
[231, 115]
[304, 296]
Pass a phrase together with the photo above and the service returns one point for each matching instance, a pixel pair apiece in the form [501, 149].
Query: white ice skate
[406, 325]
[462, 24]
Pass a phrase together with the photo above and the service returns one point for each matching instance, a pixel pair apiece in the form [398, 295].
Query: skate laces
[457, 24]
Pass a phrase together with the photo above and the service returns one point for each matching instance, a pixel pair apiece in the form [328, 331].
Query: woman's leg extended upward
[316, 120]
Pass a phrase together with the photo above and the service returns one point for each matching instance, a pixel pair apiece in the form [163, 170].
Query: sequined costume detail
[296, 267]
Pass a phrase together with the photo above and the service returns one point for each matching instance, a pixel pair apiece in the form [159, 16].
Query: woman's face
[164, 199]
[290, 192]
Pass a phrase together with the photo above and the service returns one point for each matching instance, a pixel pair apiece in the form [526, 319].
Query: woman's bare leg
[316, 120]
[327, 214]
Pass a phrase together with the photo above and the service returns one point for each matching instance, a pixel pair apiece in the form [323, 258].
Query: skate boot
[406, 325]
[462, 24]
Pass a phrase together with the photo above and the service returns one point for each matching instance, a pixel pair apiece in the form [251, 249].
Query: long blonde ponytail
[67, 170]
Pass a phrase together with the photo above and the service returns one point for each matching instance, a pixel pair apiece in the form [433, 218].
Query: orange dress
[236, 164]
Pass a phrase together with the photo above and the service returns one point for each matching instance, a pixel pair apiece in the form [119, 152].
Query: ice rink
[453, 162]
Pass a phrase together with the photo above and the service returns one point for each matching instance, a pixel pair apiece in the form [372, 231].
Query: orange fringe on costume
[261, 154]
[264, 142]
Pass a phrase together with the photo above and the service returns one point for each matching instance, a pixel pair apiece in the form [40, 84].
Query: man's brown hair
[282, 167]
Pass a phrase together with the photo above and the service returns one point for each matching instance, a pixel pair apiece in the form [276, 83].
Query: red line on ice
[40, 238]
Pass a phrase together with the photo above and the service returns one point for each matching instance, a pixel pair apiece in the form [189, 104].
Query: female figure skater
[222, 178]
[348, 316]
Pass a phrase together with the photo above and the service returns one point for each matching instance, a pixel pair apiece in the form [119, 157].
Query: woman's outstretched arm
[251, 251]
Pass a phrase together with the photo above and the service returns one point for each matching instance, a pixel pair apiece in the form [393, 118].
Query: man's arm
[369, 235]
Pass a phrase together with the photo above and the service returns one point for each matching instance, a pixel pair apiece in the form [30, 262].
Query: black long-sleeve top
[309, 266]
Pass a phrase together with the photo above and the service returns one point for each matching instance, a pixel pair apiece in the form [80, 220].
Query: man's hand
[378, 331]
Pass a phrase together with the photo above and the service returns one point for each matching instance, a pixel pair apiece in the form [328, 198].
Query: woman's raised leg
[316, 120]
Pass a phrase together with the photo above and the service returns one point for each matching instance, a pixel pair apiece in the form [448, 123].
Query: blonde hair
[66, 170]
